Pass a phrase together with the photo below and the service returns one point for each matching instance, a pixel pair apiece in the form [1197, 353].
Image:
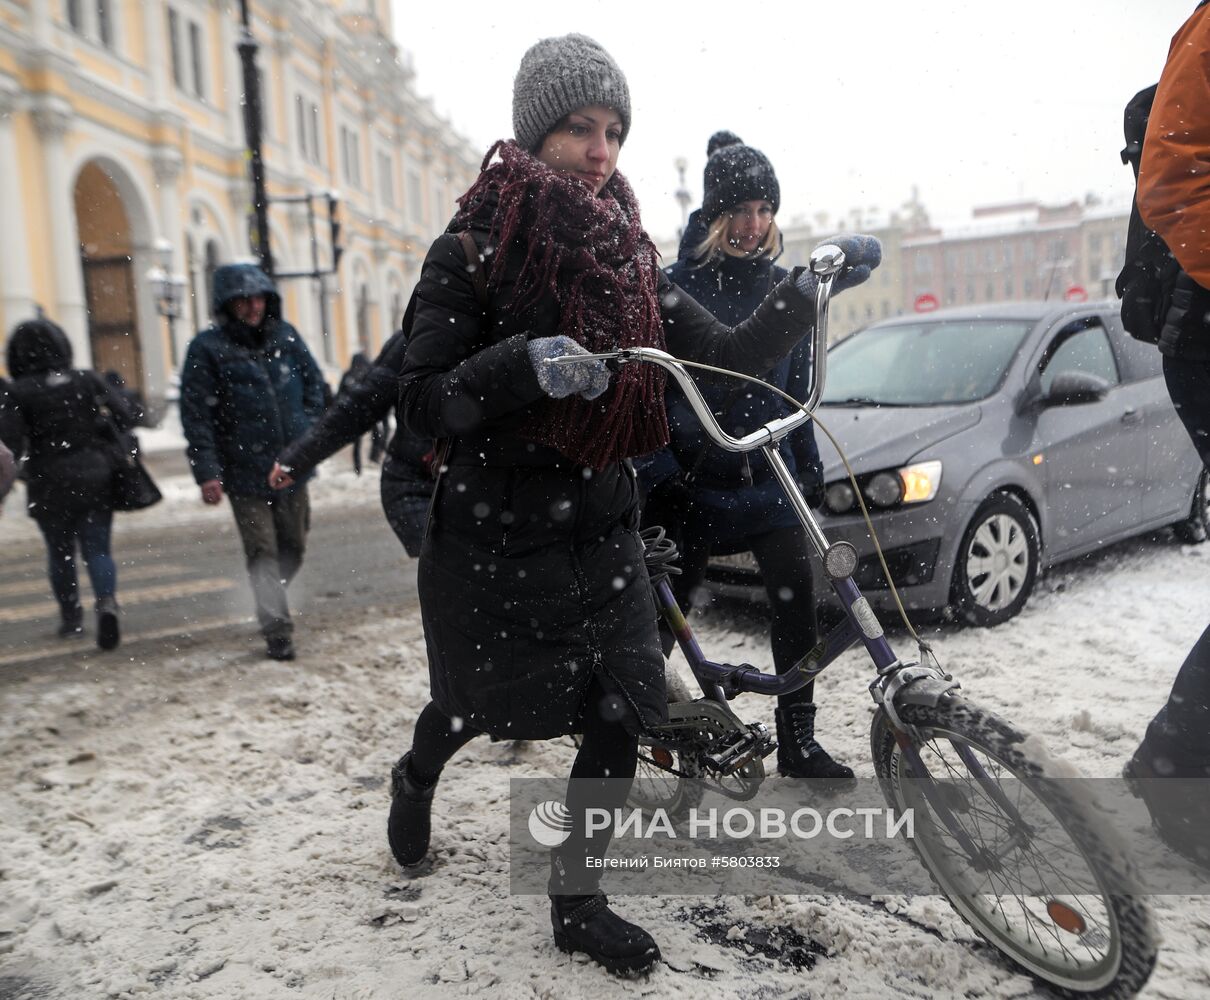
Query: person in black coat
[61, 419]
[359, 367]
[713, 501]
[538, 614]
[406, 484]
[249, 387]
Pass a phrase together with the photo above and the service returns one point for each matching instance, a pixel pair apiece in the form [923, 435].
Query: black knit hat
[562, 75]
[735, 173]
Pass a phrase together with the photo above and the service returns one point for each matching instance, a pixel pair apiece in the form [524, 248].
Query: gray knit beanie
[559, 76]
[735, 173]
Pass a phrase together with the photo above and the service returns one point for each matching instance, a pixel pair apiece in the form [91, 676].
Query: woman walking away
[714, 501]
[56, 416]
[538, 614]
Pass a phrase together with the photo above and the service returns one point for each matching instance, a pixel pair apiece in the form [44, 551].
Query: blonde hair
[716, 242]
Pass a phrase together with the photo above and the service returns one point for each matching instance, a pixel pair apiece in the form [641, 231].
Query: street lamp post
[682, 193]
[169, 291]
[253, 125]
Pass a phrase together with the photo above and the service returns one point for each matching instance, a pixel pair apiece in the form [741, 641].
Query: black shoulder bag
[131, 485]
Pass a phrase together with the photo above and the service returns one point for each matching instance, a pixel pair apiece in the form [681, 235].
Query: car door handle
[1131, 416]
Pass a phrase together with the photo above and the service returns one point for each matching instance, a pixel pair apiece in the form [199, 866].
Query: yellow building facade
[122, 143]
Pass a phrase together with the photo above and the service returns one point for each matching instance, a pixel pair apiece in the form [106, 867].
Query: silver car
[992, 442]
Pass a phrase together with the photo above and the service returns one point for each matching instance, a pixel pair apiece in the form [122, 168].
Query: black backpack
[1147, 279]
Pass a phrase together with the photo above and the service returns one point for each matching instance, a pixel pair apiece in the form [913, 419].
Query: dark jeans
[274, 533]
[91, 531]
[1181, 730]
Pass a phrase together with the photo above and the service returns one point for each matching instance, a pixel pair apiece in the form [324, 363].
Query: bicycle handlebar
[826, 263]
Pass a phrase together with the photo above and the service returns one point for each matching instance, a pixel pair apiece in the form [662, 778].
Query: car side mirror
[1072, 388]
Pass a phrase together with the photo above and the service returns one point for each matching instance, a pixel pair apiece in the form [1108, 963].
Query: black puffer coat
[355, 411]
[407, 479]
[736, 496]
[52, 414]
[245, 393]
[532, 578]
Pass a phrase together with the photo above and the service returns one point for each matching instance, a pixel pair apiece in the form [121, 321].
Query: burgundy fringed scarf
[592, 255]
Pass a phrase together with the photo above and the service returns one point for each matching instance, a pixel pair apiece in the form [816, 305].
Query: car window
[1086, 351]
[923, 364]
[1139, 360]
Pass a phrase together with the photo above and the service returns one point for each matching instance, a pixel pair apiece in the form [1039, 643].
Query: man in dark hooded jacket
[249, 387]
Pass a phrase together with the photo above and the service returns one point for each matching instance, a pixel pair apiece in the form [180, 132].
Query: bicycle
[933, 750]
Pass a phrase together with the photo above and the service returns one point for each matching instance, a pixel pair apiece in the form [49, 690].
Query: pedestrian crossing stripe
[127, 596]
[39, 586]
[74, 649]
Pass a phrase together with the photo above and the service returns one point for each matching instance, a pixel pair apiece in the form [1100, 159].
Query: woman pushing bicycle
[713, 501]
[538, 614]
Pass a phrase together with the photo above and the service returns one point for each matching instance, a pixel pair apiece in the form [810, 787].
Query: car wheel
[1196, 527]
[997, 562]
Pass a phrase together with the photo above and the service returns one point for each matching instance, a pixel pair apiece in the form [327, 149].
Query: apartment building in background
[1004, 253]
[122, 154]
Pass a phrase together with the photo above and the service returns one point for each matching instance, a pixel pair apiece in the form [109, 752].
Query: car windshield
[922, 364]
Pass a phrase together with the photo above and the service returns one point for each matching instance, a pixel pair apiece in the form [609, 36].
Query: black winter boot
[279, 647]
[108, 633]
[409, 826]
[799, 754]
[71, 621]
[587, 924]
[1179, 813]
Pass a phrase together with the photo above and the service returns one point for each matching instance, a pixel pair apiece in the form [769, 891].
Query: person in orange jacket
[1173, 197]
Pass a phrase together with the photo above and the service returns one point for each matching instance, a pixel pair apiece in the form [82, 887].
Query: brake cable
[925, 648]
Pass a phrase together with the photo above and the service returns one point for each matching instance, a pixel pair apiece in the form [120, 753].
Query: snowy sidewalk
[213, 826]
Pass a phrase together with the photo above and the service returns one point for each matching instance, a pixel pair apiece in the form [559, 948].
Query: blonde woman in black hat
[537, 610]
[717, 502]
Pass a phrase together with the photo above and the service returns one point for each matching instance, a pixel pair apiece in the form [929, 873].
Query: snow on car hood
[877, 437]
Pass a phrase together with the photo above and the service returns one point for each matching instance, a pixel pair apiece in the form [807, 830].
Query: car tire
[1196, 527]
[997, 562]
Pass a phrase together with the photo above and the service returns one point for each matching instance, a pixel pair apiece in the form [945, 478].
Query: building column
[167, 163]
[155, 31]
[52, 116]
[41, 25]
[234, 68]
[16, 284]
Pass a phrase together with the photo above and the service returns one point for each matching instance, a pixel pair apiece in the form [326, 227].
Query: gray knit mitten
[588, 378]
[861, 255]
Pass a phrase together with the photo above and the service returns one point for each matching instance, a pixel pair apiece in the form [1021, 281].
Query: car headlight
[839, 497]
[887, 488]
[884, 489]
[920, 481]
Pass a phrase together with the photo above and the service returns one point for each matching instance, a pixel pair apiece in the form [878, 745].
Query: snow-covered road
[211, 826]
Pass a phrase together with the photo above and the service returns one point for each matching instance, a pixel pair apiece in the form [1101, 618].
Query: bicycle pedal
[735, 750]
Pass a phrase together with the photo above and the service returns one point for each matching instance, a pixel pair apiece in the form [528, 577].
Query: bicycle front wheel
[1032, 867]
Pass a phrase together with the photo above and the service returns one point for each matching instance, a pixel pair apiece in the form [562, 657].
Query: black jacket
[357, 408]
[246, 394]
[53, 414]
[737, 495]
[532, 579]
